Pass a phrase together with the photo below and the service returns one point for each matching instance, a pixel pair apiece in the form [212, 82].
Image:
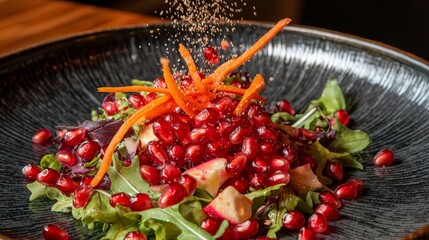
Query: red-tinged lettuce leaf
[128, 179]
[103, 131]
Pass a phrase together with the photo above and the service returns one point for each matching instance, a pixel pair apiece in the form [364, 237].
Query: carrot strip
[232, 89]
[193, 71]
[141, 113]
[132, 89]
[164, 108]
[256, 85]
[220, 73]
[175, 91]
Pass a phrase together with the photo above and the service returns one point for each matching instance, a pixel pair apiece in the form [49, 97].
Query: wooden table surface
[24, 23]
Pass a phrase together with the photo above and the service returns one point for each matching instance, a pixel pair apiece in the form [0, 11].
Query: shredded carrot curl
[133, 89]
[232, 89]
[256, 85]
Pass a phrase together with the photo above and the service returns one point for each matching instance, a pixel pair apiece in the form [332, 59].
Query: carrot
[175, 91]
[256, 85]
[162, 109]
[193, 71]
[220, 73]
[231, 89]
[133, 89]
[141, 113]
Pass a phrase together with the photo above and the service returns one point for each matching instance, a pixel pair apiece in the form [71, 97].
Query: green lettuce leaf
[332, 98]
[320, 153]
[188, 229]
[312, 199]
[49, 161]
[263, 192]
[283, 116]
[138, 82]
[348, 140]
[37, 190]
[122, 177]
[192, 211]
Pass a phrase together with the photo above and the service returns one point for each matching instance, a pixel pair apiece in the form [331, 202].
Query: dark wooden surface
[24, 23]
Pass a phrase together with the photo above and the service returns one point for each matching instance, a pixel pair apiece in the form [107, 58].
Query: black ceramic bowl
[56, 84]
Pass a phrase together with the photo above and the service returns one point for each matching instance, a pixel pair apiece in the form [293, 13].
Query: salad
[190, 156]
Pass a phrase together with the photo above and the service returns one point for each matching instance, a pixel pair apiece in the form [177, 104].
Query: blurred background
[402, 24]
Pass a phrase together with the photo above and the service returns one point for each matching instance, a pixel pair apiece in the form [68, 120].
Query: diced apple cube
[230, 205]
[146, 135]
[303, 179]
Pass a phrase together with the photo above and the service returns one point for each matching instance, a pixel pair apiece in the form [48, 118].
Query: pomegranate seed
[66, 185]
[259, 165]
[267, 148]
[74, 137]
[30, 171]
[65, 157]
[171, 117]
[110, 108]
[53, 232]
[174, 193]
[121, 104]
[262, 119]
[156, 153]
[86, 180]
[210, 225]
[235, 166]
[265, 238]
[229, 234]
[176, 153]
[163, 130]
[290, 154]
[308, 159]
[347, 191]
[150, 174]
[190, 184]
[247, 229]
[253, 110]
[328, 197]
[88, 150]
[223, 105]
[306, 233]
[211, 55]
[218, 147]
[81, 196]
[285, 106]
[121, 198]
[137, 101]
[359, 185]
[224, 127]
[171, 173]
[194, 153]
[383, 158]
[328, 210]
[293, 220]
[239, 183]
[224, 44]
[267, 133]
[185, 82]
[140, 202]
[40, 136]
[206, 117]
[250, 147]
[48, 177]
[277, 178]
[60, 133]
[238, 135]
[307, 135]
[257, 181]
[181, 131]
[159, 83]
[335, 171]
[135, 236]
[279, 164]
[150, 97]
[202, 135]
[144, 159]
[342, 116]
[318, 223]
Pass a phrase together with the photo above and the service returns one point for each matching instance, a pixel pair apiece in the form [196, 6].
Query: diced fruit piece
[146, 135]
[302, 180]
[230, 205]
[210, 175]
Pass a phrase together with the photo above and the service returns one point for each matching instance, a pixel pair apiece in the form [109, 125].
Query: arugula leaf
[283, 116]
[221, 229]
[188, 229]
[37, 190]
[263, 192]
[93, 162]
[192, 211]
[312, 199]
[122, 177]
[138, 82]
[320, 153]
[49, 161]
[332, 98]
[348, 140]
[120, 228]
